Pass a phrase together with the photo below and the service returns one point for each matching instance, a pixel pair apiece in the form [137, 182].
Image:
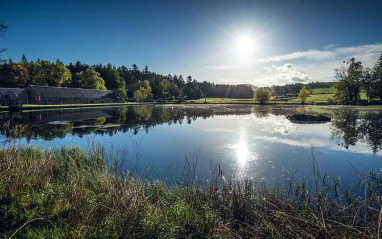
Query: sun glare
[245, 44]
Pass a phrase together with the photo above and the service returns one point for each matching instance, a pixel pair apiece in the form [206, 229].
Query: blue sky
[292, 41]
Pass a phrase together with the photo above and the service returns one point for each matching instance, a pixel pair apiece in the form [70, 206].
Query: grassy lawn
[319, 95]
[319, 98]
[221, 100]
[64, 105]
[328, 90]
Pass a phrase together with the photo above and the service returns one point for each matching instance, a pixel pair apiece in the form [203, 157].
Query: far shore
[71, 106]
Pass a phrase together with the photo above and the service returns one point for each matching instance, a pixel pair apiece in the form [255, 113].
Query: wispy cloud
[301, 66]
[329, 53]
[227, 67]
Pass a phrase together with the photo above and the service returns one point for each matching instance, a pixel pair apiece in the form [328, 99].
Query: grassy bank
[70, 193]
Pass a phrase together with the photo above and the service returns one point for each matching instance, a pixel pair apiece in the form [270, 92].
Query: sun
[245, 44]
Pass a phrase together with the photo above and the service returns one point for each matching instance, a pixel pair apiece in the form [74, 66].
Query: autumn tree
[13, 74]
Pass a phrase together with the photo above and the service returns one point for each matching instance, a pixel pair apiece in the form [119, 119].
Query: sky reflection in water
[246, 141]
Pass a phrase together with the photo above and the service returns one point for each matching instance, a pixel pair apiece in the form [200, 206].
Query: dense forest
[128, 82]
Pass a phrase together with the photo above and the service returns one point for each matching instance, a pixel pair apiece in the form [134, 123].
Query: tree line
[130, 83]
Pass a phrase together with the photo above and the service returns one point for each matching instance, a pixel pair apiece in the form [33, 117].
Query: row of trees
[285, 90]
[354, 78]
[294, 89]
[128, 82]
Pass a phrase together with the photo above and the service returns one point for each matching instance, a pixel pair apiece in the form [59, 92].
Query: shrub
[262, 95]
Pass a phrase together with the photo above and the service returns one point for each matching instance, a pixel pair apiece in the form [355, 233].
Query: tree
[166, 84]
[262, 95]
[347, 87]
[378, 75]
[303, 95]
[3, 28]
[24, 60]
[146, 89]
[112, 79]
[60, 75]
[48, 73]
[138, 95]
[90, 79]
[74, 69]
[369, 83]
[13, 75]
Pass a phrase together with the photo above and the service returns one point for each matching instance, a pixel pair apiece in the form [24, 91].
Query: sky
[231, 42]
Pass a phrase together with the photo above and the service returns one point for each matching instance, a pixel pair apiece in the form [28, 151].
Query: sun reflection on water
[244, 156]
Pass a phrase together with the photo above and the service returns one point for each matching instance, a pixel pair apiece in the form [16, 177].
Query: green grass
[328, 90]
[68, 105]
[220, 100]
[71, 193]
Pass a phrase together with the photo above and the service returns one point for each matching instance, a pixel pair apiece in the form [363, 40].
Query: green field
[318, 96]
[328, 90]
[220, 100]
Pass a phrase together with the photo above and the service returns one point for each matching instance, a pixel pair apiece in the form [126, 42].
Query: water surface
[246, 141]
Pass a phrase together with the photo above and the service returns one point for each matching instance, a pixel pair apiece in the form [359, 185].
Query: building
[49, 95]
[10, 96]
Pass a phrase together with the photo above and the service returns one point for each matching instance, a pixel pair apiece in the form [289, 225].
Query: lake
[243, 140]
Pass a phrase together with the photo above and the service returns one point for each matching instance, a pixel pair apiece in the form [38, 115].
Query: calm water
[246, 141]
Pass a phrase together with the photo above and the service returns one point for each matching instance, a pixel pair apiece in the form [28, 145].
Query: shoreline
[76, 106]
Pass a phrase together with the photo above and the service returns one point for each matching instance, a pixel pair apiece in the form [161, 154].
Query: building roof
[12, 92]
[63, 92]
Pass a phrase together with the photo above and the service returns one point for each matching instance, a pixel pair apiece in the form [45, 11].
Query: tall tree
[347, 87]
[112, 79]
[24, 60]
[378, 75]
[370, 83]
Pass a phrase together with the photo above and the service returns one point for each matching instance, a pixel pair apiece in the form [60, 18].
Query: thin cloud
[317, 55]
[222, 67]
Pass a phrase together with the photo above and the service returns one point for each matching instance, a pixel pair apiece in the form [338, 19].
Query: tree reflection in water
[348, 125]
